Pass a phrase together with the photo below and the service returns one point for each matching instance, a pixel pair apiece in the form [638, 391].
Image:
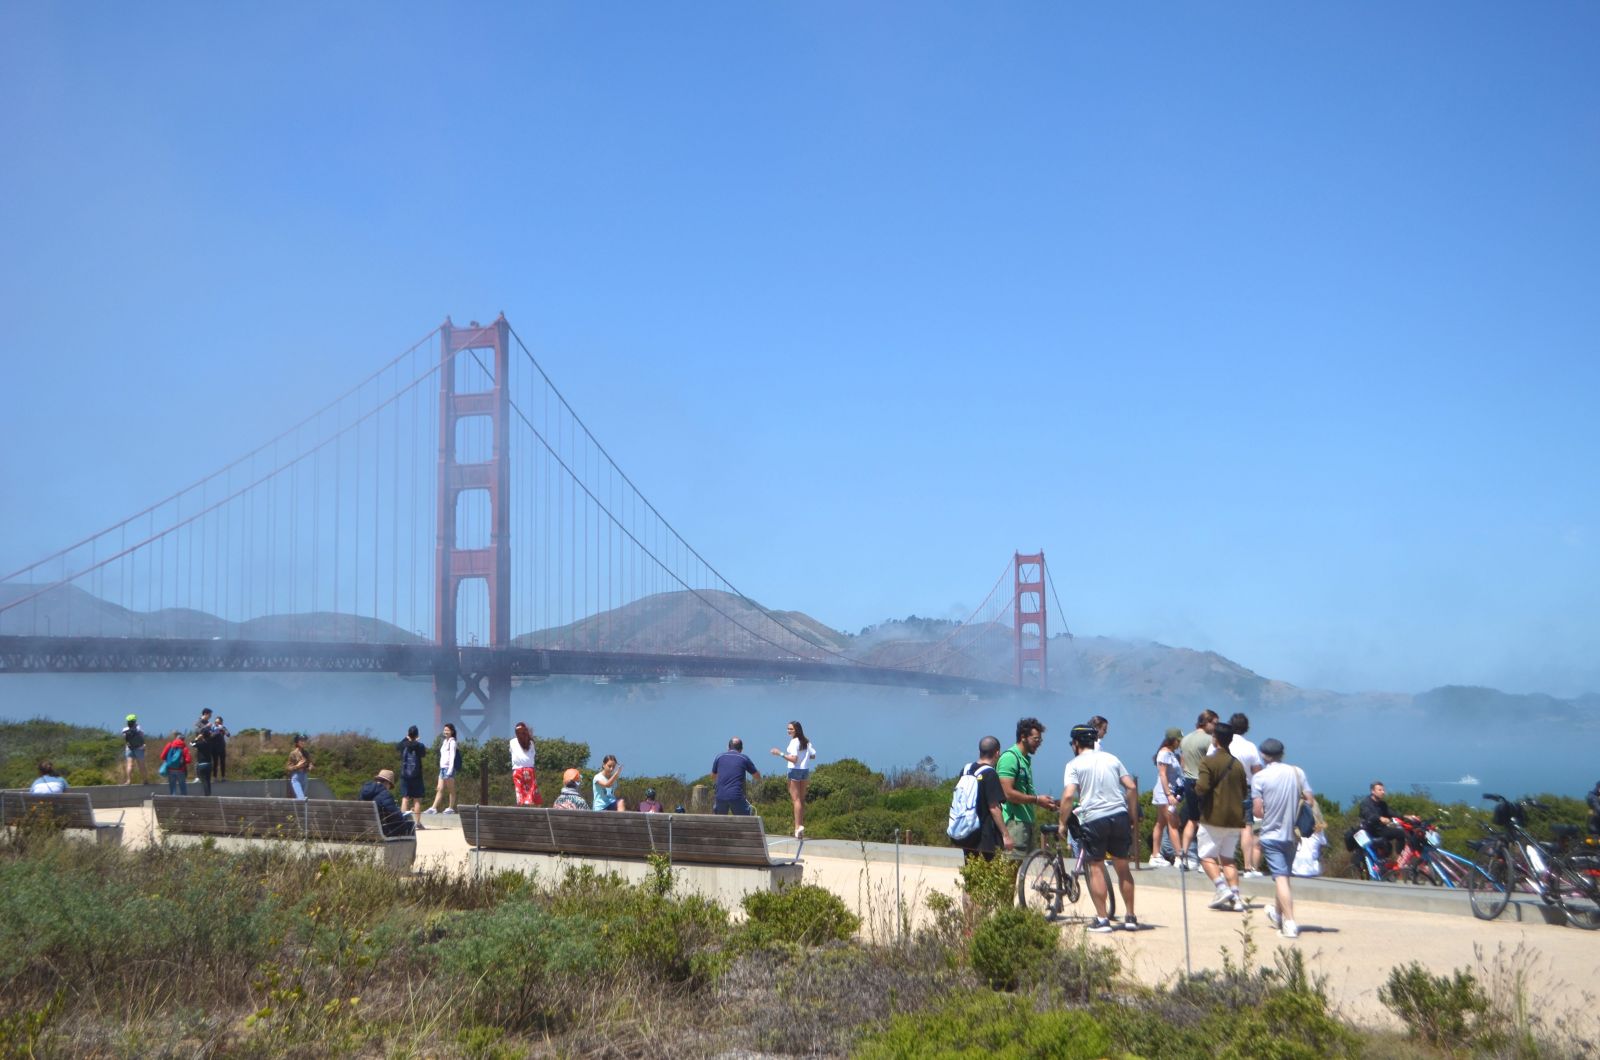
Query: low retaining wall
[397, 855]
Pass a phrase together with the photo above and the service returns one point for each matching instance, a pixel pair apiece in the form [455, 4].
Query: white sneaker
[800, 833]
[449, 809]
[1239, 904]
[1272, 915]
[1252, 874]
[1290, 930]
[1158, 862]
[430, 809]
[1223, 900]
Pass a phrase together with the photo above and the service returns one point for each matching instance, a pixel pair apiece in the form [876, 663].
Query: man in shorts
[1249, 756]
[1016, 781]
[1097, 783]
[991, 834]
[1278, 792]
[1221, 785]
[1190, 751]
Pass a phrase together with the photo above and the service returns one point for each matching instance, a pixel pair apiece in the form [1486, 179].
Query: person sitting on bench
[380, 790]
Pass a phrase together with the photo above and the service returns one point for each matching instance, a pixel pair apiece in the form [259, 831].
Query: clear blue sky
[1275, 327]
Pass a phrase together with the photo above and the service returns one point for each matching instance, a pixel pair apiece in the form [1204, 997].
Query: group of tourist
[205, 748]
[1226, 791]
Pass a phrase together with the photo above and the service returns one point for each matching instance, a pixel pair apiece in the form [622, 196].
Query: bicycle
[1512, 859]
[1046, 878]
[1368, 865]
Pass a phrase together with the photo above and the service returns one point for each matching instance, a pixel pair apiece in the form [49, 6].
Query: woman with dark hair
[523, 778]
[1166, 796]
[412, 751]
[298, 766]
[605, 785]
[801, 756]
[449, 766]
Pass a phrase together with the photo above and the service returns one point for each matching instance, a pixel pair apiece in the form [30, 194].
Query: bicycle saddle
[1049, 829]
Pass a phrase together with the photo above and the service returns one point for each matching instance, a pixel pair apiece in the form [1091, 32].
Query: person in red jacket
[175, 764]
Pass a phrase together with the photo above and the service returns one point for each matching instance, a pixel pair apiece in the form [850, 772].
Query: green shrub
[1442, 1010]
[870, 825]
[87, 778]
[988, 1025]
[1010, 943]
[518, 962]
[990, 885]
[846, 782]
[803, 915]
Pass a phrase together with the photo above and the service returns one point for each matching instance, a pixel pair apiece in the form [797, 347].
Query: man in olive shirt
[1222, 784]
[1190, 752]
[1016, 780]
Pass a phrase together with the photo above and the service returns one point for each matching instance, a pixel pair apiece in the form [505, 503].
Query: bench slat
[693, 838]
[70, 810]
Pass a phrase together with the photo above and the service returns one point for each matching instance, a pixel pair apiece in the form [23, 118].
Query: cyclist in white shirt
[1098, 784]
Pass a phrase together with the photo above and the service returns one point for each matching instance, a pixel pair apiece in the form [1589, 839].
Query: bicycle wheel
[1489, 888]
[1356, 869]
[1579, 895]
[1039, 885]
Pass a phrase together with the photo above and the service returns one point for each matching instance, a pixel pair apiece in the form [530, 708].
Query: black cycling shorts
[1191, 801]
[1109, 835]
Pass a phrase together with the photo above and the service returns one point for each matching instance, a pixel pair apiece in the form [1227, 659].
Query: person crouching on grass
[1098, 784]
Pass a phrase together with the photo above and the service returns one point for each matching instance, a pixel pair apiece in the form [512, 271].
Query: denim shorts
[1280, 856]
[799, 774]
[134, 752]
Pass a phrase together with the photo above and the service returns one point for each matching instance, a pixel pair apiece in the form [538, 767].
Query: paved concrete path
[1352, 933]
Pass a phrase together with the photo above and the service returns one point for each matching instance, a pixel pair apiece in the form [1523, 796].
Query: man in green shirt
[1015, 769]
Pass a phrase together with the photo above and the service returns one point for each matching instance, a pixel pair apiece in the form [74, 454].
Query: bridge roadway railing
[34, 654]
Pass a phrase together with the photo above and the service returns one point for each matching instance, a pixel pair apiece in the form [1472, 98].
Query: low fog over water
[1434, 740]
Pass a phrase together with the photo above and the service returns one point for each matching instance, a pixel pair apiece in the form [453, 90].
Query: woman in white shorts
[801, 756]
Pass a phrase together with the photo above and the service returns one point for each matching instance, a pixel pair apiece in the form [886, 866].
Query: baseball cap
[571, 776]
[1174, 734]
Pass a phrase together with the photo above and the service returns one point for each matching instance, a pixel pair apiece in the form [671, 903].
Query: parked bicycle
[1512, 860]
[1051, 879]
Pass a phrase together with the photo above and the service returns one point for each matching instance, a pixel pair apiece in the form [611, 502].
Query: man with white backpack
[976, 824]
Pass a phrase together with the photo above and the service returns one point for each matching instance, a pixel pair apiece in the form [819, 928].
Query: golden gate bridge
[421, 519]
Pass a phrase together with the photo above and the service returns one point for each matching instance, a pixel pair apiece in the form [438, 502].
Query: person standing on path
[1222, 785]
[219, 748]
[729, 768]
[991, 834]
[1098, 784]
[175, 764]
[523, 777]
[449, 766]
[1190, 752]
[1164, 797]
[1278, 792]
[1249, 756]
[298, 766]
[1015, 767]
[605, 785]
[202, 758]
[801, 756]
[133, 751]
[412, 752]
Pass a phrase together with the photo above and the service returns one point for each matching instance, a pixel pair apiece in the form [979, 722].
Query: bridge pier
[477, 703]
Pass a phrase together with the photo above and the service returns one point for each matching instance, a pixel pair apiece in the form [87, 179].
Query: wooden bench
[311, 821]
[69, 810]
[699, 844]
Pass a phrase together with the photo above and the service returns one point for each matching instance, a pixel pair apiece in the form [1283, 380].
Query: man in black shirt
[991, 833]
[1377, 819]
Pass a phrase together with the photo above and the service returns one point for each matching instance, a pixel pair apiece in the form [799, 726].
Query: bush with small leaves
[803, 915]
[1010, 945]
[988, 1025]
[1442, 1010]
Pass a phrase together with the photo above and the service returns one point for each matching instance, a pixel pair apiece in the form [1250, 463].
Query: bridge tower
[1029, 618]
[474, 694]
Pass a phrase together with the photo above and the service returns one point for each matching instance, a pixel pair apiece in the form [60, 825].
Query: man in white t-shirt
[1277, 792]
[1098, 784]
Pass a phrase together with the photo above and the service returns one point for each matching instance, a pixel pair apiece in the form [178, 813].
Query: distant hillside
[705, 622]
